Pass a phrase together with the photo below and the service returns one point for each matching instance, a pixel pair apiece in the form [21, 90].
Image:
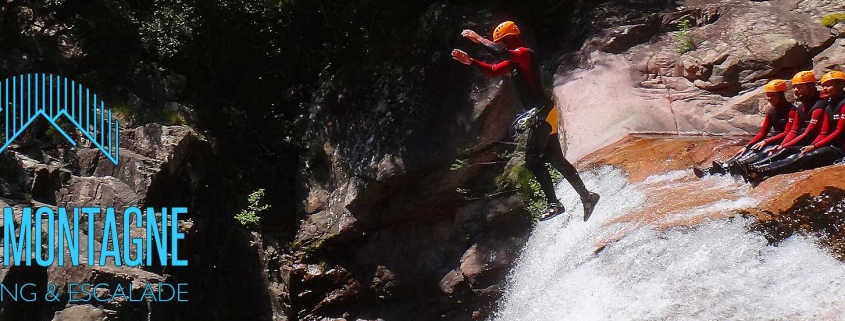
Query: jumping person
[543, 145]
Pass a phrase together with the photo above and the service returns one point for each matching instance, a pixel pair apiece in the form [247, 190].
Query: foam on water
[715, 271]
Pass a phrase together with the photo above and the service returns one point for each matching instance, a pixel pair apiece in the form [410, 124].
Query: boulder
[83, 313]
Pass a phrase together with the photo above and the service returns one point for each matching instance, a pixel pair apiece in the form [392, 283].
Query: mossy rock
[832, 19]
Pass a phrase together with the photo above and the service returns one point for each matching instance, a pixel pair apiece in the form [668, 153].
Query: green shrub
[175, 118]
[529, 188]
[832, 19]
[683, 40]
[251, 215]
[123, 111]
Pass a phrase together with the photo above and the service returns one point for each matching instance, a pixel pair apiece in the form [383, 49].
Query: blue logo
[24, 98]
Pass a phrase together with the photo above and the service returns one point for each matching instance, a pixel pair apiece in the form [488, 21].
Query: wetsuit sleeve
[496, 50]
[825, 129]
[815, 118]
[840, 127]
[764, 128]
[499, 69]
[792, 131]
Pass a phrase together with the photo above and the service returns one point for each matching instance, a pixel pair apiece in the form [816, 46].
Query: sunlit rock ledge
[810, 203]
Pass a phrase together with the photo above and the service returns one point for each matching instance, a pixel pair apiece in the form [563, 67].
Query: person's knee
[567, 170]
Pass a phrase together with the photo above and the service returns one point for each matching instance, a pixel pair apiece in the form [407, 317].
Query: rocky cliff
[385, 232]
[159, 166]
[628, 78]
[707, 78]
[388, 168]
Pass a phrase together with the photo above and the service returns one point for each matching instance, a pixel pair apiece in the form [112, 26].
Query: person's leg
[817, 158]
[554, 155]
[538, 137]
[753, 155]
[749, 157]
[783, 153]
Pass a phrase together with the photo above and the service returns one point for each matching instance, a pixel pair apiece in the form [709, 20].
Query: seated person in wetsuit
[825, 150]
[804, 128]
[775, 121]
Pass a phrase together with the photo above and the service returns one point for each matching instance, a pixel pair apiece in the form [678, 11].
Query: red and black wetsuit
[833, 125]
[811, 113]
[775, 121]
[829, 144]
[524, 69]
[804, 127]
[522, 65]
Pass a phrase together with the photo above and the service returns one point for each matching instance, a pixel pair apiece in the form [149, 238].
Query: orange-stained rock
[684, 200]
[642, 156]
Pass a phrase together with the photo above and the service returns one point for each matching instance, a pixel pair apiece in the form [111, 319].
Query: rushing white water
[717, 270]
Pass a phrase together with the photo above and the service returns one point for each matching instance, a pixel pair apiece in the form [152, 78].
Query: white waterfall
[716, 270]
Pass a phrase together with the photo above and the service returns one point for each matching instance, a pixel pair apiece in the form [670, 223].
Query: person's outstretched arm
[816, 118]
[498, 69]
[492, 47]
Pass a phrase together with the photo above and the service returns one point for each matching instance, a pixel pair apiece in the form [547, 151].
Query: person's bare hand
[760, 145]
[472, 35]
[807, 149]
[775, 150]
[741, 151]
[461, 56]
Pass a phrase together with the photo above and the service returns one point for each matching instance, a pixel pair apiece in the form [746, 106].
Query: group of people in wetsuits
[541, 122]
[796, 137]
[793, 137]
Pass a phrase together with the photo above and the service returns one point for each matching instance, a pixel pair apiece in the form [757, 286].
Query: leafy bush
[175, 118]
[123, 111]
[683, 39]
[832, 19]
[529, 188]
[250, 215]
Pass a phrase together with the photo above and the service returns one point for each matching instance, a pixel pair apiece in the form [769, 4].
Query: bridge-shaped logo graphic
[25, 97]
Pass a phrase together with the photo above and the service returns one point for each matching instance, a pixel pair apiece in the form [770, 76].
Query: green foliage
[831, 19]
[168, 29]
[529, 189]
[458, 164]
[251, 215]
[323, 265]
[683, 40]
[186, 225]
[175, 118]
[123, 111]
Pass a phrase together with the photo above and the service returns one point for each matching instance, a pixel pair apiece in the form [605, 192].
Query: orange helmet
[507, 28]
[776, 85]
[804, 77]
[832, 75]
